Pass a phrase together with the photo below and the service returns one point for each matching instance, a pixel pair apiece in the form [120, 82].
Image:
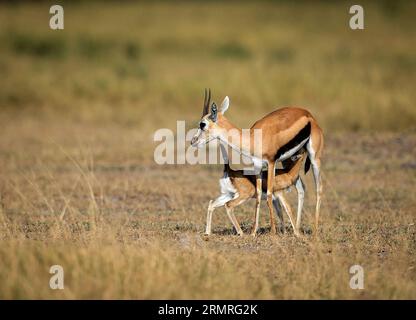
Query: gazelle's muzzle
[201, 138]
[197, 139]
[194, 141]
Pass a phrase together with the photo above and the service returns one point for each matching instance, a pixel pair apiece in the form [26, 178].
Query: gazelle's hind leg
[314, 148]
[318, 185]
[288, 210]
[300, 188]
[279, 212]
[219, 202]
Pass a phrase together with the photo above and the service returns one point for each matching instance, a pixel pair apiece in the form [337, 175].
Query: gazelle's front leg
[270, 185]
[258, 200]
[222, 200]
[219, 202]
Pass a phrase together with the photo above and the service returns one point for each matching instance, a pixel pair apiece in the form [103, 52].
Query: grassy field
[79, 186]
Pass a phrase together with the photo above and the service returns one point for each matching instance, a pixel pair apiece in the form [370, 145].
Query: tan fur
[279, 127]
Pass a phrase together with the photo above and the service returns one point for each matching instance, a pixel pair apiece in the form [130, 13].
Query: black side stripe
[303, 134]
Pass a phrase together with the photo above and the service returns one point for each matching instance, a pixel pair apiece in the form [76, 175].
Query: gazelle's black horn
[204, 109]
[207, 100]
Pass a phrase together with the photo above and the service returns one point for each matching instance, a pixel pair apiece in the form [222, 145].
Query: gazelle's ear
[214, 112]
[225, 104]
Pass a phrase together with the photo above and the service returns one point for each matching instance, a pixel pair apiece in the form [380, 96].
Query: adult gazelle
[283, 132]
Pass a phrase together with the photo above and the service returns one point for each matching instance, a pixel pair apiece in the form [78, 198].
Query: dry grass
[79, 186]
[138, 234]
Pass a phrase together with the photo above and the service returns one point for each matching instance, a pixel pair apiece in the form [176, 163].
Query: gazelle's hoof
[205, 236]
[240, 234]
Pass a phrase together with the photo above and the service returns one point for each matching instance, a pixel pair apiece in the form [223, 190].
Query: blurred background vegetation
[145, 64]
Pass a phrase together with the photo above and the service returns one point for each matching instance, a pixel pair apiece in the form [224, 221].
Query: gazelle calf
[237, 188]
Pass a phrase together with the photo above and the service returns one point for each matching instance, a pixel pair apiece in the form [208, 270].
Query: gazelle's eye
[202, 125]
